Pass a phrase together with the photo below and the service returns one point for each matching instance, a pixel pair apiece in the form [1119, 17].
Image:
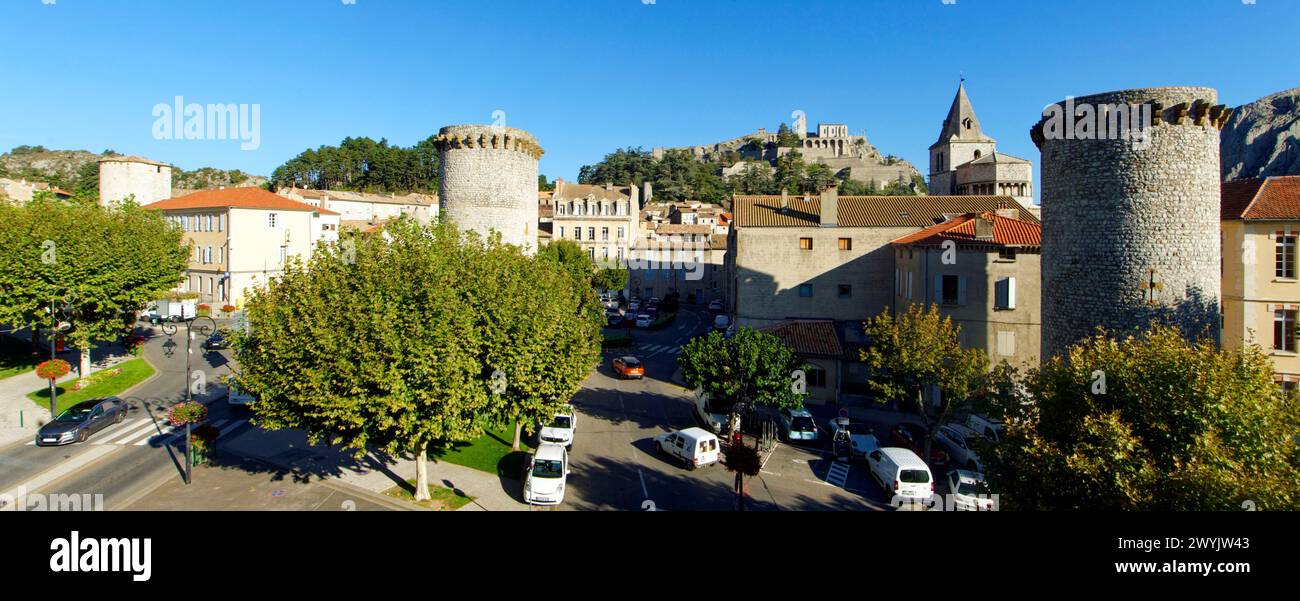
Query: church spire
[962, 124]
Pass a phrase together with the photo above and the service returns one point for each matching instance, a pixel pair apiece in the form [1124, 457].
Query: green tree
[610, 279]
[624, 166]
[574, 259]
[817, 177]
[372, 344]
[1149, 422]
[541, 330]
[920, 350]
[751, 367]
[755, 178]
[789, 172]
[105, 263]
[787, 137]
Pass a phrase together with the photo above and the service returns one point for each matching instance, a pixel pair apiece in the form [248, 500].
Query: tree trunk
[740, 491]
[519, 427]
[422, 474]
[83, 369]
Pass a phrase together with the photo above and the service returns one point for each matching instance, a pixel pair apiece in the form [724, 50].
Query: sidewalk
[289, 450]
[20, 418]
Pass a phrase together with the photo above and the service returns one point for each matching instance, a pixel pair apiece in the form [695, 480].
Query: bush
[664, 320]
[617, 339]
[205, 437]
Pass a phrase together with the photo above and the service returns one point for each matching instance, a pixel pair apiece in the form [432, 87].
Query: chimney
[831, 207]
[1006, 211]
[983, 228]
[609, 186]
[785, 199]
[647, 192]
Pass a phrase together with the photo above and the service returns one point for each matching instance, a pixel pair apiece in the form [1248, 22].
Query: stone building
[982, 270]
[22, 191]
[600, 219]
[242, 237]
[488, 181]
[1130, 231]
[965, 160]
[122, 176]
[1261, 272]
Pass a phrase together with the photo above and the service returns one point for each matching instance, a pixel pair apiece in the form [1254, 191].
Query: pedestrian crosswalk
[655, 349]
[145, 431]
[838, 475]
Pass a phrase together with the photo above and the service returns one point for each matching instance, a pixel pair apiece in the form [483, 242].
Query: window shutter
[1011, 292]
[1000, 294]
[938, 289]
[961, 290]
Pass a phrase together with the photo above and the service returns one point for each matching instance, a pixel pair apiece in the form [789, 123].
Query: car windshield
[631, 362]
[967, 488]
[75, 414]
[802, 424]
[914, 476]
[543, 468]
[561, 421]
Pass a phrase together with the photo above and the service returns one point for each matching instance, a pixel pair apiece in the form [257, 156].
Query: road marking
[644, 493]
[130, 431]
[66, 467]
[838, 475]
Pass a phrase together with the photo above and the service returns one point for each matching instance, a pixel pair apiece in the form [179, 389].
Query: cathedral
[965, 161]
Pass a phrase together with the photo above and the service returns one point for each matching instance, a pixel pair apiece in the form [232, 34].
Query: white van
[694, 446]
[902, 474]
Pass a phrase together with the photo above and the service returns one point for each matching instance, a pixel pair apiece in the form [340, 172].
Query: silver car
[80, 421]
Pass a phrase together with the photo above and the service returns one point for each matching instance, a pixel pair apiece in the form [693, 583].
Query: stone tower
[1130, 222]
[960, 141]
[122, 176]
[488, 181]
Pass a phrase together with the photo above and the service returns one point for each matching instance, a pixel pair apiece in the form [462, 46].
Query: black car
[614, 318]
[219, 340]
[79, 421]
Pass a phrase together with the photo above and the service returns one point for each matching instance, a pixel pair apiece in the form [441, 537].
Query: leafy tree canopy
[750, 367]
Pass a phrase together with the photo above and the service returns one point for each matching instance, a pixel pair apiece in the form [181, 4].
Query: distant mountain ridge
[1262, 139]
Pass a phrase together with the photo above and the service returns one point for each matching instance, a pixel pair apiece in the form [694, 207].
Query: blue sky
[590, 76]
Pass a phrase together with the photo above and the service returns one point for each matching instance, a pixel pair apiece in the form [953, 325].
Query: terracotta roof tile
[867, 211]
[1006, 232]
[809, 338]
[244, 198]
[1267, 199]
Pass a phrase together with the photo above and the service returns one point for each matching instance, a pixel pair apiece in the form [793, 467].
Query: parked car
[714, 417]
[78, 422]
[798, 424]
[693, 446]
[862, 439]
[634, 306]
[614, 318]
[219, 340]
[644, 320]
[959, 441]
[562, 428]
[912, 437]
[902, 474]
[237, 397]
[966, 487]
[721, 323]
[715, 306]
[985, 426]
[628, 366]
[548, 470]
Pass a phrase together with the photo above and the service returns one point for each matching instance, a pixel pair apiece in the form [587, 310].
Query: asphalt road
[126, 460]
[614, 465]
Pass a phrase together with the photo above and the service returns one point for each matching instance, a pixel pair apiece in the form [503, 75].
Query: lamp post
[56, 327]
[206, 331]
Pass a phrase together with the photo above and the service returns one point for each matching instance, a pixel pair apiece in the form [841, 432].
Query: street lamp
[206, 331]
[56, 327]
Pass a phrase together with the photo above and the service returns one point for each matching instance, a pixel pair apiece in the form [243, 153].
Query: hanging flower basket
[53, 369]
[190, 412]
[203, 443]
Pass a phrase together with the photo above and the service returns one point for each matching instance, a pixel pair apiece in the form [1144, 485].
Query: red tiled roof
[1263, 199]
[244, 198]
[961, 229]
[810, 338]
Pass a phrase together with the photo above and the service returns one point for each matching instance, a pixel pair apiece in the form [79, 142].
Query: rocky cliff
[1263, 138]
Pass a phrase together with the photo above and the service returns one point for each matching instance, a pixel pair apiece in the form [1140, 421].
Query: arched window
[978, 154]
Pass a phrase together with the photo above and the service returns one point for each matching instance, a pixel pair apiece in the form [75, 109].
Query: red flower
[53, 369]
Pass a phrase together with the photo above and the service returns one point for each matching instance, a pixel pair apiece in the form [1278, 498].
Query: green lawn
[16, 357]
[444, 499]
[617, 338]
[133, 372]
[488, 453]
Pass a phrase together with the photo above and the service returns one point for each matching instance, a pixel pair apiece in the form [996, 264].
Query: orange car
[629, 367]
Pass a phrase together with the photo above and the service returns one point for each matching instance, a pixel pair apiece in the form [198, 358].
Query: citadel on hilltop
[831, 145]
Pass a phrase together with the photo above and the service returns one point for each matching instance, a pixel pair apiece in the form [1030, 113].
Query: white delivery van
[695, 447]
[902, 474]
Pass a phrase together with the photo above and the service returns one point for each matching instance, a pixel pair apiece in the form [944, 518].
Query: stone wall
[1131, 233]
[488, 181]
[147, 182]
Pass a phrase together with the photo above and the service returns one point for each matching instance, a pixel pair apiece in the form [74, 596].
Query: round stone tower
[488, 181]
[1130, 214]
[126, 176]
